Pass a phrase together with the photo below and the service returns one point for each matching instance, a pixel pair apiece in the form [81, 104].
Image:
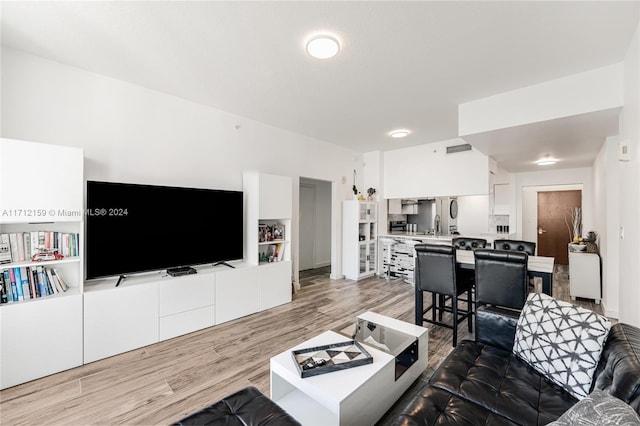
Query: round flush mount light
[323, 47]
[400, 133]
[546, 161]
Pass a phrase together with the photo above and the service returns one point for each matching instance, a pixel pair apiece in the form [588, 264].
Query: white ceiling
[402, 64]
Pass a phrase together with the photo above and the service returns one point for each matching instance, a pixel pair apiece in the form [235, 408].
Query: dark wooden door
[554, 212]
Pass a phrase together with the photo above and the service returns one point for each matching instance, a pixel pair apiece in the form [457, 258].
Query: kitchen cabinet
[394, 206]
[584, 276]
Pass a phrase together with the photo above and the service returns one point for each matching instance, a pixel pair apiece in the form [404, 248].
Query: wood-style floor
[161, 383]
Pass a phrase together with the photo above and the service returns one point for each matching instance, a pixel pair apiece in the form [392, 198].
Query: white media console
[95, 319]
[154, 307]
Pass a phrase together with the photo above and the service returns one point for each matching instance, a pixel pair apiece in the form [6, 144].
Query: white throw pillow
[561, 341]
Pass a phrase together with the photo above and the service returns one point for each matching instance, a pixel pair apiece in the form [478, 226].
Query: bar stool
[436, 272]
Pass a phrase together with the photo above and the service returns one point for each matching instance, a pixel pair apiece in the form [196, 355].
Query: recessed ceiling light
[546, 161]
[323, 47]
[400, 133]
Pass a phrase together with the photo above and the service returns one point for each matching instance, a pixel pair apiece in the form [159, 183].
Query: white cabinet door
[236, 293]
[27, 169]
[275, 197]
[584, 276]
[120, 319]
[274, 285]
[40, 338]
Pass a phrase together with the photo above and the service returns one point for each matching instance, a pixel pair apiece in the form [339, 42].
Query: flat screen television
[133, 228]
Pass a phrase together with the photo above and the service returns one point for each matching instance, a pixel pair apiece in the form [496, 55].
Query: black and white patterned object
[599, 409]
[561, 341]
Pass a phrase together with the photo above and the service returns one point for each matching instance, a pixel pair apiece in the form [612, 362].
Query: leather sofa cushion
[247, 407]
[502, 383]
[496, 326]
[435, 406]
[619, 369]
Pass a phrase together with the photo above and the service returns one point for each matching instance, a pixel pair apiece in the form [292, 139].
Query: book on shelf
[7, 285]
[24, 277]
[30, 282]
[3, 289]
[16, 284]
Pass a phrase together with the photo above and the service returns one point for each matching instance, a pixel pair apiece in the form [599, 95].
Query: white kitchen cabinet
[584, 276]
[395, 206]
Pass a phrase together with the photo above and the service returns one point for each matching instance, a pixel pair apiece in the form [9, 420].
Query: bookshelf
[359, 238]
[268, 213]
[41, 190]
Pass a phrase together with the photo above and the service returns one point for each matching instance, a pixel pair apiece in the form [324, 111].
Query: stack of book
[30, 282]
[21, 246]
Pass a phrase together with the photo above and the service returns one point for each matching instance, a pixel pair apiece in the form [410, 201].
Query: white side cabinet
[584, 276]
[41, 189]
[359, 238]
[269, 209]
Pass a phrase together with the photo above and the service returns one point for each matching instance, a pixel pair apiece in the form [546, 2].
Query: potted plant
[371, 192]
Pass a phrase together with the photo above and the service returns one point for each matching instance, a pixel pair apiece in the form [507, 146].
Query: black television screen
[133, 228]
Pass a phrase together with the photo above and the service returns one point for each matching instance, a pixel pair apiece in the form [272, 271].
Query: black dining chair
[528, 247]
[501, 278]
[502, 287]
[466, 243]
[436, 272]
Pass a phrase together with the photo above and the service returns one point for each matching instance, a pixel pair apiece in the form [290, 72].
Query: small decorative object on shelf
[371, 194]
[328, 358]
[592, 242]
[267, 233]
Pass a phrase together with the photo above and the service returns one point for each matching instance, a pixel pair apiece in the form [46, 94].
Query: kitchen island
[397, 253]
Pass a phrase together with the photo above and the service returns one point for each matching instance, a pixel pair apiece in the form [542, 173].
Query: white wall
[589, 91]
[133, 134]
[607, 221]
[629, 181]
[428, 171]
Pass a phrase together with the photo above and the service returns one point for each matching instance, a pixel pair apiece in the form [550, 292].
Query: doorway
[314, 244]
[554, 210]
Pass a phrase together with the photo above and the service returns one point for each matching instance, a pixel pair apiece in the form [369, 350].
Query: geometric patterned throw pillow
[561, 341]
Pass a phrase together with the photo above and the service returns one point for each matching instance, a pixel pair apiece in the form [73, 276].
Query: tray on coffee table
[327, 358]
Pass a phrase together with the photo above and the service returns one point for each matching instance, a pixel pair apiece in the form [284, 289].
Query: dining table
[537, 266]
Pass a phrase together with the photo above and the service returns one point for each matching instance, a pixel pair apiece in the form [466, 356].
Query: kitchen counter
[398, 258]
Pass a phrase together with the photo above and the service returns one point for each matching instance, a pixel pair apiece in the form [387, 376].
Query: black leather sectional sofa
[482, 383]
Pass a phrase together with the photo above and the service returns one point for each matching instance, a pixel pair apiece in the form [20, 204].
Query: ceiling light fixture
[400, 133]
[323, 47]
[546, 161]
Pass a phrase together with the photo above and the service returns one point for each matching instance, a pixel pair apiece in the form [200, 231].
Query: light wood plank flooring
[164, 382]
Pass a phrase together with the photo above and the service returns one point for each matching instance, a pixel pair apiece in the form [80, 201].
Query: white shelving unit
[359, 238]
[41, 189]
[268, 202]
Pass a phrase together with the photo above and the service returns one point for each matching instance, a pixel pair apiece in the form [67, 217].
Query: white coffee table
[355, 396]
